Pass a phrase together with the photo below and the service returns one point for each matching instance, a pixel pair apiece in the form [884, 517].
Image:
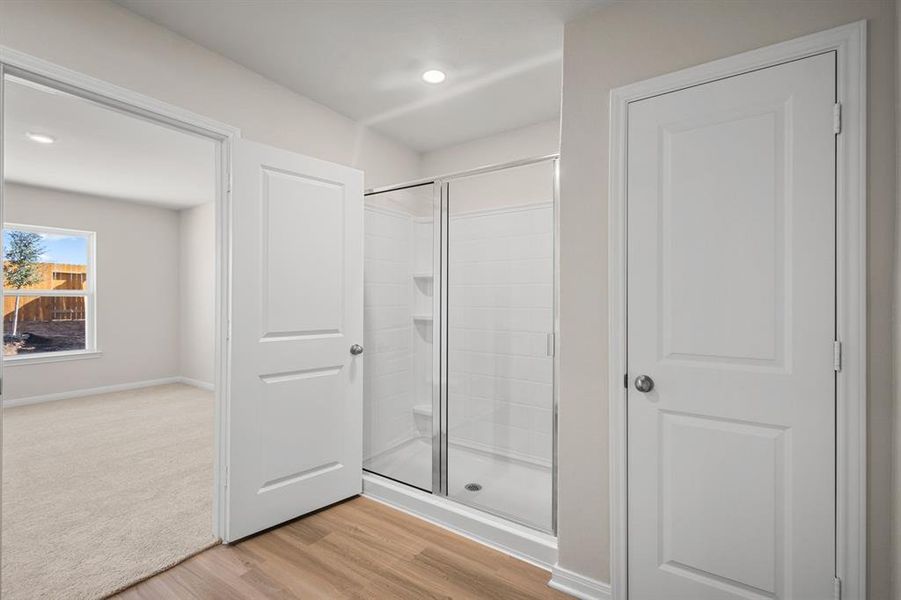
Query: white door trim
[850, 43]
[13, 62]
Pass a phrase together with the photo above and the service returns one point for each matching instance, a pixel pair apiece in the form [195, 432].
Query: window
[48, 289]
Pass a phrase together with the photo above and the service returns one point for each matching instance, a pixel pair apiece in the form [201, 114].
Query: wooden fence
[54, 276]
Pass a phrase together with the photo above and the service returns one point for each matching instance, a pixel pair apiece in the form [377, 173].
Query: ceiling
[364, 58]
[102, 152]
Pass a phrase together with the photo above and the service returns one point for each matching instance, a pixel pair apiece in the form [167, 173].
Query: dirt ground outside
[44, 336]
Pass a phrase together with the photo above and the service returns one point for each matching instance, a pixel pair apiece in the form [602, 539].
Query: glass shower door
[399, 384]
[500, 324]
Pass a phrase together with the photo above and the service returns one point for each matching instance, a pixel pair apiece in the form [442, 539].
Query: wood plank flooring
[353, 550]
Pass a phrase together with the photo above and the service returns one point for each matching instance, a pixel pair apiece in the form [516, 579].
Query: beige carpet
[102, 491]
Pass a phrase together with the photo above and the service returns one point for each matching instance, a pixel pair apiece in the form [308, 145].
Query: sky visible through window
[60, 248]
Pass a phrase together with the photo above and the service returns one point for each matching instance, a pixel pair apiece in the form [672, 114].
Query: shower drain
[473, 487]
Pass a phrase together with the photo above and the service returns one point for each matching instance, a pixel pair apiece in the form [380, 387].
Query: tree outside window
[48, 290]
[21, 265]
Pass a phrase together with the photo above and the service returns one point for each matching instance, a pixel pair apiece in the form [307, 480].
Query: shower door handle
[356, 349]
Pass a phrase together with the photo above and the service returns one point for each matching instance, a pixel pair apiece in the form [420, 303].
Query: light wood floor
[356, 549]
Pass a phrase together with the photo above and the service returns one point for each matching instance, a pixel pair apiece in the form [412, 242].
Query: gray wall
[526, 142]
[631, 41]
[896, 564]
[197, 293]
[137, 257]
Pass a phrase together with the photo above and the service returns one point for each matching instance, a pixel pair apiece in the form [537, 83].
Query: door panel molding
[849, 44]
[295, 427]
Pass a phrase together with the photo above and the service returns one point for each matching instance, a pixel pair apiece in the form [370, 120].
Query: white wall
[624, 42]
[500, 312]
[388, 379]
[137, 268]
[104, 40]
[507, 188]
[423, 296]
[197, 293]
[526, 142]
[155, 295]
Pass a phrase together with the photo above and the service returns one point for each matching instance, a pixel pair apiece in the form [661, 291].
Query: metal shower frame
[441, 215]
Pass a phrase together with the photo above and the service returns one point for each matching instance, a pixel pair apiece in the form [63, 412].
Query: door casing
[849, 43]
[13, 62]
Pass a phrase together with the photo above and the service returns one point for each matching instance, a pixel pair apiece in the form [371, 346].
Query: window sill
[49, 357]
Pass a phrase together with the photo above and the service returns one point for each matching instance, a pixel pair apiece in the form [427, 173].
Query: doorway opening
[110, 358]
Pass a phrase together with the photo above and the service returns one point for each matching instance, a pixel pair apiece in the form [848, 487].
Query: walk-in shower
[459, 329]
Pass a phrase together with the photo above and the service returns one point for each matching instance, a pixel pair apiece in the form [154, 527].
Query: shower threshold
[520, 541]
[507, 512]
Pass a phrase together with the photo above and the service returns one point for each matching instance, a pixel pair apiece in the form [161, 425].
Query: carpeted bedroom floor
[105, 490]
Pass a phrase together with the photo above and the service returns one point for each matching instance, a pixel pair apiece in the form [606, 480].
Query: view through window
[48, 290]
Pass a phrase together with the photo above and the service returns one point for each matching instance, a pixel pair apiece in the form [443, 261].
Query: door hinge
[551, 344]
[837, 118]
[837, 355]
[837, 588]
[626, 380]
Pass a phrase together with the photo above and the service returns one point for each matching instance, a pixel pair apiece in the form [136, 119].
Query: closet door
[731, 318]
[296, 372]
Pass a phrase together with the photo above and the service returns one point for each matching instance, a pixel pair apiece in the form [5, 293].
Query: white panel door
[731, 312]
[295, 410]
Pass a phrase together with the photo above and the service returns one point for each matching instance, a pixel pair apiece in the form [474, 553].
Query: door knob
[644, 384]
[356, 349]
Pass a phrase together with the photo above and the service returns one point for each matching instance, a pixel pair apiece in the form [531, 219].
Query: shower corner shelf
[422, 318]
[423, 276]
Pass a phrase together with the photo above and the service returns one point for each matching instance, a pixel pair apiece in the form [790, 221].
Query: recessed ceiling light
[434, 76]
[40, 138]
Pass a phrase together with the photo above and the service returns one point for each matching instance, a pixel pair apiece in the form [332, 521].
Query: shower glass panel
[500, 324]
[399, 304]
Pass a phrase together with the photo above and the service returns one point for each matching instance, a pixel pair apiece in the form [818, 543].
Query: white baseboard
[578, 586]
[204, 385]
[105, 389]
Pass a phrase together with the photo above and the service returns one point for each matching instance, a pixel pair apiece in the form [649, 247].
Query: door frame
[850, 43]
[13, 62]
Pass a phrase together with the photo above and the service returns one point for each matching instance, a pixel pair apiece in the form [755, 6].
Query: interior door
[295, 408]
[731, 312]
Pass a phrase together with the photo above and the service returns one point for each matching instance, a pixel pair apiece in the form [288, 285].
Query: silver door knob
[356, 349]
[644, 384]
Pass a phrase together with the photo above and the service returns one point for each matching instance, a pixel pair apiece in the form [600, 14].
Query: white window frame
[89, 293]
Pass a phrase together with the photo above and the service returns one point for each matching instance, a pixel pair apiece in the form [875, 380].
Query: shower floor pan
[509, 488]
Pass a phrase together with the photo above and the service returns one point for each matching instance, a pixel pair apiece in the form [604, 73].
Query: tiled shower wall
[423, 290]
[501, 300]
[388, 330]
